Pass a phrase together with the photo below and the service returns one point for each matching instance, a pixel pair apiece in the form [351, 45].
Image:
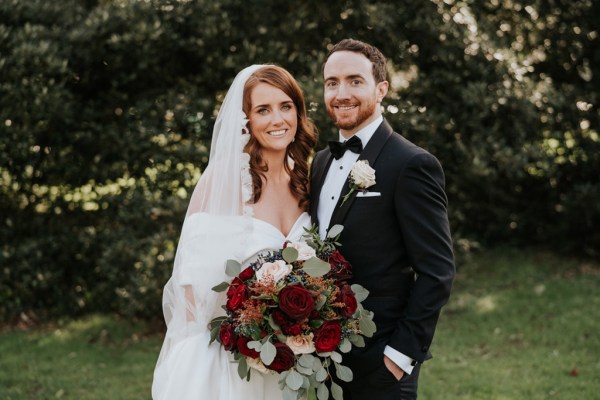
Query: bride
[252, 196]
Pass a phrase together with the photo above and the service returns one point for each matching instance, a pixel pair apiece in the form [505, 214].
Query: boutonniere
[362, 176]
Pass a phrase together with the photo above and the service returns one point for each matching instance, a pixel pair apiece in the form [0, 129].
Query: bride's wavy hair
[298, 151]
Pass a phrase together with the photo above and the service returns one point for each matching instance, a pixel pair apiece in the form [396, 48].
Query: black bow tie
[338, 148]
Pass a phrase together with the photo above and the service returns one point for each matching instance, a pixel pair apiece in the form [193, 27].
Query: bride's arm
[190, 305]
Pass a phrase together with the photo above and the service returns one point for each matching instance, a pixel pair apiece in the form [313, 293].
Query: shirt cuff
[404, 362]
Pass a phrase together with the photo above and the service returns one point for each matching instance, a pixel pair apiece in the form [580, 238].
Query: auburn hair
[371, 52]
[298, 151]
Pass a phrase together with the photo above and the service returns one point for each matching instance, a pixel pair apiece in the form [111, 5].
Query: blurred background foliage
[106, 112]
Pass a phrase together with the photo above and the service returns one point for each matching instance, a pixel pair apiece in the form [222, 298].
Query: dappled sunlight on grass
[96, 357]
[519, 325]
[486, 304]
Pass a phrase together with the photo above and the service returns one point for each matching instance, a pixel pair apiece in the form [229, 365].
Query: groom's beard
[349, 122]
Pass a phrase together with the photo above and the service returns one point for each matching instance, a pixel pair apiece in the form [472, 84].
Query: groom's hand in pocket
[393, 368]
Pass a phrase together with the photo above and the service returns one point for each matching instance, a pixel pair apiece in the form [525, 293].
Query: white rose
[277, 269]
[304, 251]
[301, 344]
[362, 174]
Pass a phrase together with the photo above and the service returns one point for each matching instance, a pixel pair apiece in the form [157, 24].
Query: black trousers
[381, 384]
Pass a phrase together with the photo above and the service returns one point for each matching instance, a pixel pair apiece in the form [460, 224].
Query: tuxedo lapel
[370, 153]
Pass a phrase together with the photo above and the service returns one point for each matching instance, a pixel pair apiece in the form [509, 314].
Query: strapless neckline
[299, 221]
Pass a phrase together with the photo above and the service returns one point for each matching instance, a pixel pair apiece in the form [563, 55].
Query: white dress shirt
[337, 175]
[328, 198]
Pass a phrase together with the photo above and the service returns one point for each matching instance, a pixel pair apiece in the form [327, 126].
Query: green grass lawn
[519, 325]
[94, 358]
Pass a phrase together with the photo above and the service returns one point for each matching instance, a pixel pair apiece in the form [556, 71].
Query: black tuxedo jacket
[398, 243]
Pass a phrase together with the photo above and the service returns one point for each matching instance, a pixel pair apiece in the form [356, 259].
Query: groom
[396, 233]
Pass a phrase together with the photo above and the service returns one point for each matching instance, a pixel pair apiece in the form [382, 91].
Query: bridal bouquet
[292, 312]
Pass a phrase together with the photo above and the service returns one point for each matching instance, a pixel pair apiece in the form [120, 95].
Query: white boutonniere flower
[362, 177]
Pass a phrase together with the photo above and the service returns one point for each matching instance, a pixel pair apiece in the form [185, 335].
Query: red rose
[296, 302]
[238, 297]
[293, 330]
[347, 297]
[280, 319]
[328, 336]
[227, 336]
[284, 358]
[242, 345]
[246, 274]
[340, 267]
[233, 287]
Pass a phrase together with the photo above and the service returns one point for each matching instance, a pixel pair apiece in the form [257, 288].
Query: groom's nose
[343, 91]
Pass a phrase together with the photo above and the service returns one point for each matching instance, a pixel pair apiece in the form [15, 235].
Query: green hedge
[106, 110]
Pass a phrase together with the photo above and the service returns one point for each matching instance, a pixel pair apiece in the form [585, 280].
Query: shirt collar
[365, 133]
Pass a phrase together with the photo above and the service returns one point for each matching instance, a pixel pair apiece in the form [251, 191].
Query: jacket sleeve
[421, 209]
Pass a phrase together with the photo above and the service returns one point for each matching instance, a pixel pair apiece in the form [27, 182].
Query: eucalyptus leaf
[233, 268]
[316, 323]
[367, 326]
[367, 313]
[281, 337]
[304, 370]
[357, 340]
[336, 357]
[306, 360]
[321, 375]
[317, 365]
[216, 322]
[337, 391]
[221, 287]
[242, 367]
[322, 392]
[282, 377]
[289, 394]
[272, 323]
[294, 380]
[311, 394]
[343, 372]
[254, 345]
[335, 231]
[305, 382]
[214, 333]
[316, 267]
[359, 292]
[267, 353]
[321, 300]
[289, 254]
[345, 346]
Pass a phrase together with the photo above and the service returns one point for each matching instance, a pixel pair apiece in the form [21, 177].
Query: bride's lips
[277, 133]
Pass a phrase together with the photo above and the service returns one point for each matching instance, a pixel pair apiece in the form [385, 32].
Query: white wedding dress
[188, 367]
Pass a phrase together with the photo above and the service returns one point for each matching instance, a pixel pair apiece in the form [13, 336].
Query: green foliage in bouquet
[292, 312]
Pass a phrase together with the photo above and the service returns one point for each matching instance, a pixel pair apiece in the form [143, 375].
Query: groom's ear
[382, 90]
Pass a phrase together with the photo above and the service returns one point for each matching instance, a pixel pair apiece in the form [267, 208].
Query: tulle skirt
[196, 371]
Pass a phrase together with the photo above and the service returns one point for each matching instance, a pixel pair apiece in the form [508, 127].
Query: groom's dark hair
[371, 52]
